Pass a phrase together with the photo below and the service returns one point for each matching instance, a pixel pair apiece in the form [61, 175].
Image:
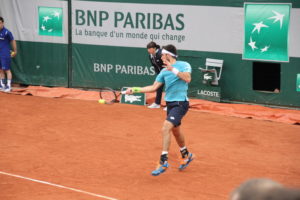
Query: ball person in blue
[176, 76]
[6, 42]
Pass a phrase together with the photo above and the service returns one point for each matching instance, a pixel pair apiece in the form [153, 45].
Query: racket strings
[109, 96]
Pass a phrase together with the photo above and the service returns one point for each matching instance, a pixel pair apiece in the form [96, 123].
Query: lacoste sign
[132, 98]
[208, 92]
[136, 98]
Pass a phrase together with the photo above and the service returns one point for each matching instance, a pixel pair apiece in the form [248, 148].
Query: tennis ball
[12, 53]
[102, 101]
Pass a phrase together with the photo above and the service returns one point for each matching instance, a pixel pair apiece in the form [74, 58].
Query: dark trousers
[159, 92]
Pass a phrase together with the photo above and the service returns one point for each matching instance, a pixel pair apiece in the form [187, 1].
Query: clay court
[57, 148]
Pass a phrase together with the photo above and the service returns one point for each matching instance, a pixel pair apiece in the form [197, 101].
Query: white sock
[164, 152]
[182, 148]
[9, 83]
[2, 83]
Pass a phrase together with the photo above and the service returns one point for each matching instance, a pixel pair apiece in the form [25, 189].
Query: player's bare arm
[149, 88]
[14, 47]
[185, 76]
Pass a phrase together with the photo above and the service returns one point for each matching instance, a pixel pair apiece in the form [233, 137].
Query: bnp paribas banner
[127, 24]
[135, 24]
[109, 38]
[266, 32]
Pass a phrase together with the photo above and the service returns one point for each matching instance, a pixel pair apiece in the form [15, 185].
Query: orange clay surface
[98, 151]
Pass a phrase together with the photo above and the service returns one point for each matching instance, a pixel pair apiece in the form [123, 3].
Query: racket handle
[123, 92]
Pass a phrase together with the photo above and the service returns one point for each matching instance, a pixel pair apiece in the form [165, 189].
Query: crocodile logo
[207, 77]
[132, 98]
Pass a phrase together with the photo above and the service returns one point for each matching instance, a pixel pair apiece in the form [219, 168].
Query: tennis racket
[109, 96]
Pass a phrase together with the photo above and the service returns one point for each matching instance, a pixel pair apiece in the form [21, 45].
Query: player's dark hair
[1, 19]
[171, 48]
[152, 45]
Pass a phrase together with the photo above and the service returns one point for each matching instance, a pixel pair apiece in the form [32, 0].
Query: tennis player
[176, 76]
[6, 39]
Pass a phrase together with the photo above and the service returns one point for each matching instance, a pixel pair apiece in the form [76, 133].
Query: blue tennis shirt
[5, 38]
[176, 89]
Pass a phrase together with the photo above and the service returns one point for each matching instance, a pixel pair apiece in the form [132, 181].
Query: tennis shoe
[154, 105]
[161, 168]
[7, 89]
[185, 161]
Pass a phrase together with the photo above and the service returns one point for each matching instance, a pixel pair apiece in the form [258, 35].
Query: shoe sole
[159, 172]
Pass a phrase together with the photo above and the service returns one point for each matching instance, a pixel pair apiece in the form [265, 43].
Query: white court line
[60, 186]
